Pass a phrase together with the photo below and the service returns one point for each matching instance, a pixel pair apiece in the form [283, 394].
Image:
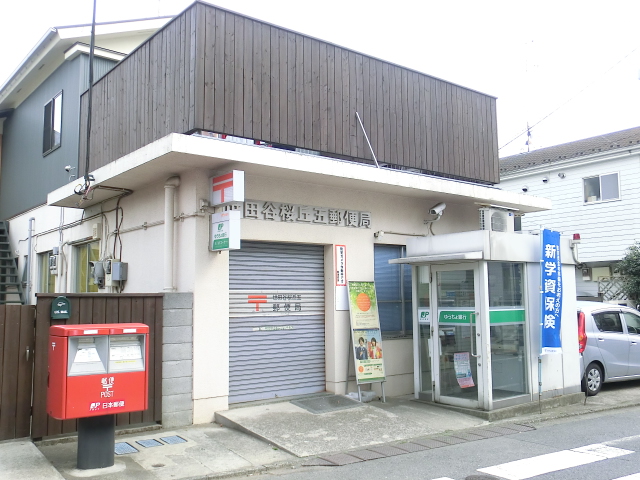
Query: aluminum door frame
[482, 335]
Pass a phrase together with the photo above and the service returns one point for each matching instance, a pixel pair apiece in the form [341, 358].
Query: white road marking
[552, 462]
[633, 476]
[443, 478]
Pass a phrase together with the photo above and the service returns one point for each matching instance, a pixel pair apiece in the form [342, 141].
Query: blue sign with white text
[551, 292]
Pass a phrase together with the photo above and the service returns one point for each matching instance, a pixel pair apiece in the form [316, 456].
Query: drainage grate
[123, 448]
[468, 436]
[173, 439]
[366, 455]
[387, 450]
[411, 447]
[450, 440]
[325, 404]
[341, 459]
[149, 443]
[427, 442]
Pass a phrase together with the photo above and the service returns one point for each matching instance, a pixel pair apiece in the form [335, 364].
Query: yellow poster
[366, 334]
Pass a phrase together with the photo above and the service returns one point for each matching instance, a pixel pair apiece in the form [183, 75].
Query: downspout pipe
[169, 195]
[27, 290]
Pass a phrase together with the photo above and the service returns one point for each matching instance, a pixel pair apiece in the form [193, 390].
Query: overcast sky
[568, 68]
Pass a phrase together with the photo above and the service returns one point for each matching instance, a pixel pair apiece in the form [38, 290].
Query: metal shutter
[276, 321]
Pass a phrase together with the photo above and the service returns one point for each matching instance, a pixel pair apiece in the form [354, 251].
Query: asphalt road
[554, 447]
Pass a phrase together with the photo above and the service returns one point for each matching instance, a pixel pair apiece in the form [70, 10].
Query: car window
[608, 322]
[633, 322]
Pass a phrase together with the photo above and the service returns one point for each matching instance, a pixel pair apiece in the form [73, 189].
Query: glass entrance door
[455, 335]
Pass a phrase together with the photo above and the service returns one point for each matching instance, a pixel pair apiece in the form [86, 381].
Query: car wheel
[592, 380]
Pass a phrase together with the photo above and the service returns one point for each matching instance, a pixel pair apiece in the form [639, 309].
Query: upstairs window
[52, 124]
[601, 188]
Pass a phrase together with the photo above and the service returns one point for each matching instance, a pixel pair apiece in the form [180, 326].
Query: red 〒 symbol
[257, 299]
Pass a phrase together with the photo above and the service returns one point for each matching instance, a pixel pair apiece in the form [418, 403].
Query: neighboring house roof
[49, 52]
[588, 146]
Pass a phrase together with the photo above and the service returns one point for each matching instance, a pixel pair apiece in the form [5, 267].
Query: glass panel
[609, 186]
[505, 284]
[591, 189]
[633, 323]
[94, 256]
[506, 328]
[426, 377]
[82, 269]
[608, 322]
[426, 347]
[393, 288]
[47, 281]
[86, 253]
[57, 120]
[46, 134]
[457, 334]
[508, 367]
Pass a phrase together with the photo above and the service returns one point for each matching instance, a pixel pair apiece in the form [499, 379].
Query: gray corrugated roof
[579, 148]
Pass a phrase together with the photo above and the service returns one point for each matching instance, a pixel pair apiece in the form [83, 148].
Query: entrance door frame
[483, 346]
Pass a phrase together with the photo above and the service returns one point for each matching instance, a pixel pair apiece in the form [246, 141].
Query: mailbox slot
[125, 353]
[87, 355]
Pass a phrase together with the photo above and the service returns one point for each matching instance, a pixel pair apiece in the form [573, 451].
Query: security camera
[68, 168]
[438, 208]
[525, 189]
[545, 179]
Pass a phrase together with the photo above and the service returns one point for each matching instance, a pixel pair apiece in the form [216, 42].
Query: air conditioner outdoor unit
[496, 220]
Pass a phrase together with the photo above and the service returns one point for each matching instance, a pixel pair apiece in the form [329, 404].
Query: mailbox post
[95, 372]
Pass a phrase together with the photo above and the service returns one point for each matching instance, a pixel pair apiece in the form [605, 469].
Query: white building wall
[606, 228]
[206, 273]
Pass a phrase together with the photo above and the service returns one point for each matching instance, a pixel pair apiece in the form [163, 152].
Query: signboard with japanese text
[342, 294]
[366, 333]
[310, 215]
[551, 292]
[276, 303]
[225, 231]
[226, 188]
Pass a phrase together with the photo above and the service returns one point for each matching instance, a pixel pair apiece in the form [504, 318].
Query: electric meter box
[97, 369]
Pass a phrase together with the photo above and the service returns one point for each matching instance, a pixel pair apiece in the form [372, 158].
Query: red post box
[98, 369]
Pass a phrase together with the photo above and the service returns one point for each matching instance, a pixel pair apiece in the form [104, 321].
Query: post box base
[96, 441]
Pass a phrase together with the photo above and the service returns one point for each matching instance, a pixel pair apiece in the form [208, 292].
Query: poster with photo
[366, 333]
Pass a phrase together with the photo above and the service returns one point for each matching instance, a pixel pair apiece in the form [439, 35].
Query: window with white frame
[85, 254]
[601, 187]
[52, 124]
[393, 291]
[47, 279]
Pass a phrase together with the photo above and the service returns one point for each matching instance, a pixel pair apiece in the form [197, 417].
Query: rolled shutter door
[276, 321]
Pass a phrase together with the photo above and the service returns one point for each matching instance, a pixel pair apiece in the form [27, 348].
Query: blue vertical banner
[551, 292]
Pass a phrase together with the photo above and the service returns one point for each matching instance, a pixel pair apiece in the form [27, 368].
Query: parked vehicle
[609, 339]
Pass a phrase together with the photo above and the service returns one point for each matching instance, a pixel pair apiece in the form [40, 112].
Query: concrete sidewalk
[286, 434]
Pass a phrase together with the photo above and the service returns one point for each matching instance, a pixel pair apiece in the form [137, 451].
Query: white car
[609, 339]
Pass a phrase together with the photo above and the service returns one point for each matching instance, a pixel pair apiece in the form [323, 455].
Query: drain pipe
[27, 290]
[169, 195]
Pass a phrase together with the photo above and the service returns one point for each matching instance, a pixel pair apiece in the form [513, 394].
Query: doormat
[326, 404]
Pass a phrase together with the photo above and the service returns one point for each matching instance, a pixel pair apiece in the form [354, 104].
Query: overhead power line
[529, 128]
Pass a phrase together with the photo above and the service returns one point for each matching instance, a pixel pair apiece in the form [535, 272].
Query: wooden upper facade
[214, 70]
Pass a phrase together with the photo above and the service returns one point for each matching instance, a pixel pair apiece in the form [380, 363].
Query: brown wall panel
[215, 70]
